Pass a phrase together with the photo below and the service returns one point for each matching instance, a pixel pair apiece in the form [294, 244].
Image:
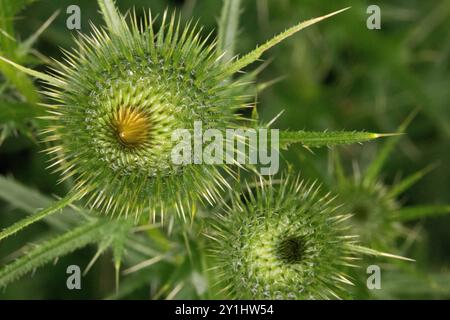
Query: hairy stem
[45, 252]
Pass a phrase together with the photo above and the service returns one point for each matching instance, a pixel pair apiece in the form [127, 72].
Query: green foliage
[419, 212]
[10, 47]
[52, 249]
[26, 199]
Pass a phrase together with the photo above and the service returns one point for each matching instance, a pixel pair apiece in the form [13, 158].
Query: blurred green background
[336, 75]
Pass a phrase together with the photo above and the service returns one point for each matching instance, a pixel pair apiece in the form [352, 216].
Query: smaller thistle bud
[282, 242]
[371, 208]
[378, 215]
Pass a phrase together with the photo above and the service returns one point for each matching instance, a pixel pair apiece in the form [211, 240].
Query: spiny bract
[282, 242]
[120, 97]
[372, 209]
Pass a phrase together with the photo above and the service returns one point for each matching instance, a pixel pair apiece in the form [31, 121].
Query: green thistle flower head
[282, 242]
[120, 97]
[372, 208]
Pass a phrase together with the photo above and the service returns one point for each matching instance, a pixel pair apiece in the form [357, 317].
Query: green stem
[50, 250]
[420, 212]
[56, 206]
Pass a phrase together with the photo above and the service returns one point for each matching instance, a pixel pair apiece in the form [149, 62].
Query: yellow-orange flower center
[131, 126]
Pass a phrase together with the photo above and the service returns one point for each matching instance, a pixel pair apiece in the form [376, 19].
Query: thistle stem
[56, 206]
